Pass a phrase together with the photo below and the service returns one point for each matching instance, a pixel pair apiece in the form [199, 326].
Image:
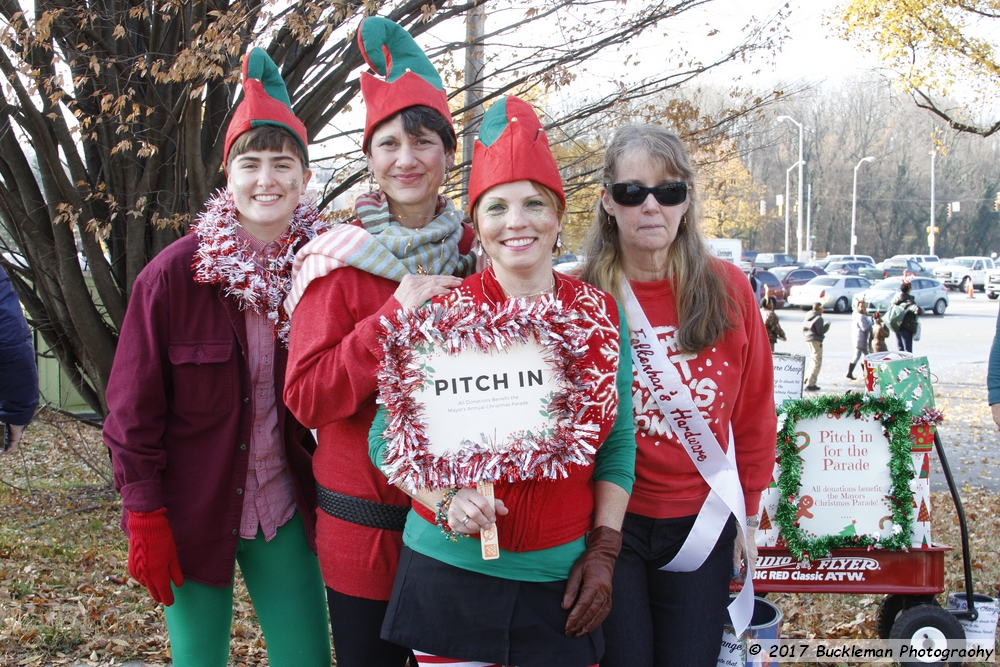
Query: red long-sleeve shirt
[732, 382]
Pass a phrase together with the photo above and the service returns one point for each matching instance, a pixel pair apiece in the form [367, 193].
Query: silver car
[832, 291]
[931, 295]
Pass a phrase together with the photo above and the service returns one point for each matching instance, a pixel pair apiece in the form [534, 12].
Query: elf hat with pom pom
[409, 78]
[512, 146]
[265, 102]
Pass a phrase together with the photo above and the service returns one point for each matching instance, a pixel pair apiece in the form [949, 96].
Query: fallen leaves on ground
[66, 597]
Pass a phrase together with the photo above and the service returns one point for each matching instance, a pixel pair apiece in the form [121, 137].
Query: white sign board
[846, 482]
[489, 399]
[788, 373]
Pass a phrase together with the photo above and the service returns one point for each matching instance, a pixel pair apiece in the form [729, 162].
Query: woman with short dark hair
[406, 244]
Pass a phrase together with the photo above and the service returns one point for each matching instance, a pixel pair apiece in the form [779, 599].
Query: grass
[66, 597]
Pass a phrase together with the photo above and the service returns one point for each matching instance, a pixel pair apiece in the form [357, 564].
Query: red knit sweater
[732, 382]
[330, 385]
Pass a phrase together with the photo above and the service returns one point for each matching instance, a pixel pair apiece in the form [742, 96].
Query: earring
[612, 222]
[684, 220]
[371, 181]
[479, 248]
[559, 241]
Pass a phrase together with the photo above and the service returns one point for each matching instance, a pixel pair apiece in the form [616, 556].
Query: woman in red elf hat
[212, 468]
[405, 245]
[541, 603]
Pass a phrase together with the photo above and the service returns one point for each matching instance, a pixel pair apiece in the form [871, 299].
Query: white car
[992, 286]
[833, 292]
[960, 272]
[929, 294]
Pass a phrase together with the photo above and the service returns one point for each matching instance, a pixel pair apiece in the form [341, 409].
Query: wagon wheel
[892, 606]
[926, 626]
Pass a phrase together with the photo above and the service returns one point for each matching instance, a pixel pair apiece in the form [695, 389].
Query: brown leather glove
[589, 582]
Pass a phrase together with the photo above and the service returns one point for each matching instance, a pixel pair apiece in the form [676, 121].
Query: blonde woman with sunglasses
[697, 338]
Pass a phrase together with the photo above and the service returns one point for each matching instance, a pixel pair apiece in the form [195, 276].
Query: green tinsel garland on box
[895, 420]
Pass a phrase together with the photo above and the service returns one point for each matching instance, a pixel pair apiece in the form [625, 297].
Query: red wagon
[908, 579]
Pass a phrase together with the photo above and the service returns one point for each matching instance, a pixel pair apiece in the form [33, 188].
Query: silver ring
[465, 521]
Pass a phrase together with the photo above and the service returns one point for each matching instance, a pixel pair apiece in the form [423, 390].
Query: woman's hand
[414, 291]
[741, 557]
[470, 512]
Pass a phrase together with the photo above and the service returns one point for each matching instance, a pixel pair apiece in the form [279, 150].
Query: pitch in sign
[492, 399]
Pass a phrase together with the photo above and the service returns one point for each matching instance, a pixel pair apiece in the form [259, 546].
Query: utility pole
[930, 232]
[475, 24]
[809, 206]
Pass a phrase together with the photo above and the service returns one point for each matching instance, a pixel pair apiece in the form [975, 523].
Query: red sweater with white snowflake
[732, 382]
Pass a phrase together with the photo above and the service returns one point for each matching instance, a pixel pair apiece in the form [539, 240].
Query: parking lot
[957, 347]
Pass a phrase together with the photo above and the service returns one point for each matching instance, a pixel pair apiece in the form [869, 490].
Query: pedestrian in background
[771, 323]
[754, 283]
[861, 329]
[993, 376]
[880, 332]
[814, 329]
[18, 373]
[908, 327]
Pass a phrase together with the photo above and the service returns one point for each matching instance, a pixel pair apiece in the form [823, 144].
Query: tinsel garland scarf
[223, 258]
[895, 420]
[462, 326]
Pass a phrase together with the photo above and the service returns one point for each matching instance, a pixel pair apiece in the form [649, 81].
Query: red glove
[152, 554]
[590, 582]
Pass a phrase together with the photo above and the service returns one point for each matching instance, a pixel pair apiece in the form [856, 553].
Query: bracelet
[753, 521]
[441, 517]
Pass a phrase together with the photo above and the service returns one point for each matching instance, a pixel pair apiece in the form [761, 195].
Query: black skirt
[459, 614]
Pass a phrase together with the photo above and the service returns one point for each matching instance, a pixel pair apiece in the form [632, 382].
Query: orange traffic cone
[970, 290]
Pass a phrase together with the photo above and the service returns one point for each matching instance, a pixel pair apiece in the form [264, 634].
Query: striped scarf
[383, 247]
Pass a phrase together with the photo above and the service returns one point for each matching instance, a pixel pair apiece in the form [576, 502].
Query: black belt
[362, 512]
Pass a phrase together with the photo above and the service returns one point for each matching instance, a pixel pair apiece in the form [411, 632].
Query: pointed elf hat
[409, 78]
[265, 102]
[512, 146]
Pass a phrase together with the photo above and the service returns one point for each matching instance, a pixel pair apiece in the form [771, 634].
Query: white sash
[718, 468]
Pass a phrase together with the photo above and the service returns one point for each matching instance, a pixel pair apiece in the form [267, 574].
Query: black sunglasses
[632, 194]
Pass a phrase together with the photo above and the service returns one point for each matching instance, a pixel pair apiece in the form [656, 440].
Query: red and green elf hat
[409, 77]
[512, 146]
[265, 102]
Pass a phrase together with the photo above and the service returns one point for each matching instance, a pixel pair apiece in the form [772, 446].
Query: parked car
[960, 272]
[896, 266]
[823, 261]
[748, 256]
[929, 262]
[992, 285]
[567, 263]
[846, 268]
[833, 292]
[929, 294]
[769, 260]
[791, 276]
[779, 293]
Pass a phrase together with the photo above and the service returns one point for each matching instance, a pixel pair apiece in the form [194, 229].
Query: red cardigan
[331, 385]
[179, 415]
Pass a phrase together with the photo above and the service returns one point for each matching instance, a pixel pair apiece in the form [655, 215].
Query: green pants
[286, 588]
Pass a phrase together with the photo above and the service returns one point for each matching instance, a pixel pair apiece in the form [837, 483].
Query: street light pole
[801, 163]
[788, 173]
[930, 234]
[854, 201]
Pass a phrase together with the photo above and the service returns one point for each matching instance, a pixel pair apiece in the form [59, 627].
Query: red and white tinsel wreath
[223, 258]
[456, 328]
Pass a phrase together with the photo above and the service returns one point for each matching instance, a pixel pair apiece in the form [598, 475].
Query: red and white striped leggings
[426, 659]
